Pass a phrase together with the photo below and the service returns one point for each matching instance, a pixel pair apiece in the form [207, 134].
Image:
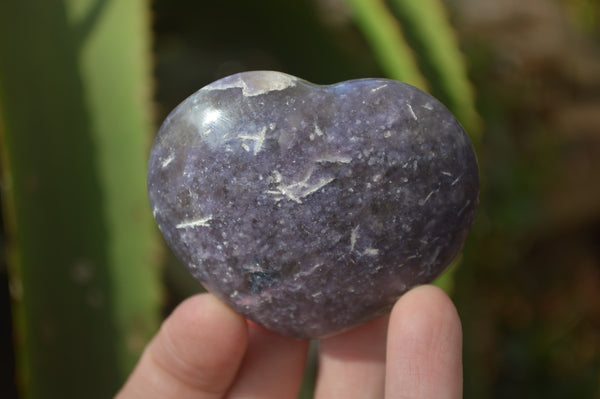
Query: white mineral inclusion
[255, 83]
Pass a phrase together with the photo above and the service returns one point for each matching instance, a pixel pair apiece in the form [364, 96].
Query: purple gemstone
[310, 209]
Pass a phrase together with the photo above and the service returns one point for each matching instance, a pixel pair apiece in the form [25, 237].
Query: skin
[205, 350]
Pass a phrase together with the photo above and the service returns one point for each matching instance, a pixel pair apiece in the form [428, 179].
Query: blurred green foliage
[75, 101]
[389, 46]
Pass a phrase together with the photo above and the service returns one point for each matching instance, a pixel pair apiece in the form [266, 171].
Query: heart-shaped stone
[310, 209]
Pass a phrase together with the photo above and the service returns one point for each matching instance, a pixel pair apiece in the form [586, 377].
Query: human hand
[206, 350]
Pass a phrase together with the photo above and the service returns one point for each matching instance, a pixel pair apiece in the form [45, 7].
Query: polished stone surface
[310, 209]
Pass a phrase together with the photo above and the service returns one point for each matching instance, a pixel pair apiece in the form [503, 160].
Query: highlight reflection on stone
[310, 209]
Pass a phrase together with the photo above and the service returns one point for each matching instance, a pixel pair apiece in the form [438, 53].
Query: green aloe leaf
[75, 105]
[427, 26]
[384, 34]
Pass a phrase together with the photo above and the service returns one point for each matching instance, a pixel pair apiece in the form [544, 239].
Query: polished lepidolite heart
[310, 209]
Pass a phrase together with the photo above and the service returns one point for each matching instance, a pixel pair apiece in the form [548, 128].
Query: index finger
[196, 353]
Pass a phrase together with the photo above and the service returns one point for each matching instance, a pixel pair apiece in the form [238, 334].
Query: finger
[273, 366]
[196, 353]
[352, 364]
[424, 350]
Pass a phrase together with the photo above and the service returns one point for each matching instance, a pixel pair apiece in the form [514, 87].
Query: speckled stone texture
[310, 209]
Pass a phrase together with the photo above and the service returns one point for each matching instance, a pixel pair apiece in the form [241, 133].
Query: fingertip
[203, 334]
[424, 348]
[428, 301]
[196, 353]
